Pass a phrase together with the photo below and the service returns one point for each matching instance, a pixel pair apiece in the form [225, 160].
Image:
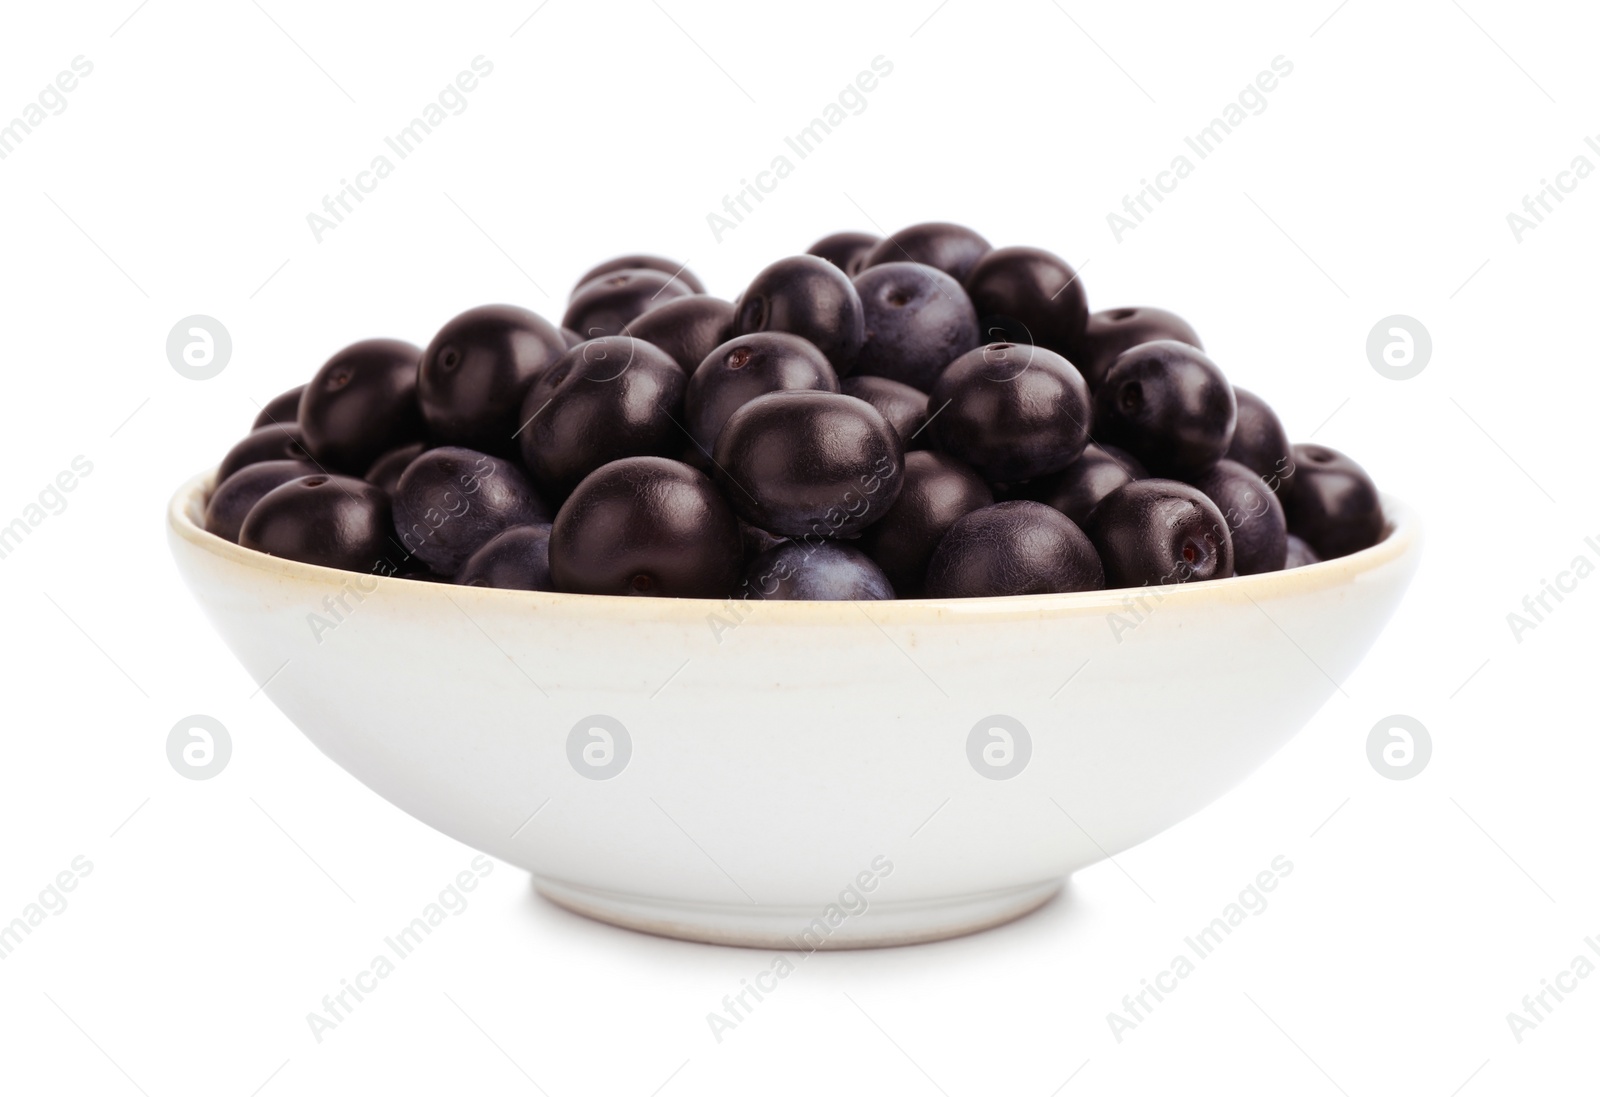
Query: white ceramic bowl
[795, 774]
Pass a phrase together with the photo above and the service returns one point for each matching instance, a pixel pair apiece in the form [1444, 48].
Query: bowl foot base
[802, 929]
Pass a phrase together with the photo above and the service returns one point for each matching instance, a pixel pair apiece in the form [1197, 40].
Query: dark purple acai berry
[283, 409]
[1155, 532]
[451, 500]
[608, 304]
[272, 443]
[1012, 412]
[906, 408]
[334, 521]
[1169, 405]
[1254, 516]
[642, 262]
[918, 415]
[809, 463]
[745, 367]
[1019, 547]
[1260, 442]
[937, 491]
[646, 526]
[513, 559]
[808, 297]
[1299, 554]
[233, 497]
[1077, 489]
[475, 372]
[845, 250]
[917, 321]
[604, 400]
[815, 571]
[953, 249]
[687, 328]
[1110, 332]
[361, 404]
[1029, 295]
[385, 471]
[1333, 504]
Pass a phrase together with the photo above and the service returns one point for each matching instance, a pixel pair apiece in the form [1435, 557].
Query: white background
[1377, 181]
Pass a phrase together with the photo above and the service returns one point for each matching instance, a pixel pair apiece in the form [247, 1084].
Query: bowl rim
[1402, 538]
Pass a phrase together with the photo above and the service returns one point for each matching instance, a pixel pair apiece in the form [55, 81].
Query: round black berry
[1260, 443]
[1254, 516]
[283, 409]
[1333, 504]
[746, 367]
[845, 250]
[641, 262]
[954, 249]
[608, 304]
[476, 371]
[1029, 295]
[906, 408]
[646, 526]
[451, 500]
[1012, 412]
[1077, 489]
[272, 443]
[1110, 332]
[815, 571]
[385, 471]
[513, 559]
[1169, 405]
[1019, 547]
[334, 521]
[605, 399]
[233, 497]
[1156, 532]
[809, 463]
[1299, 554]
[808, 297]
[937, 491]
[362, 403]
[917, 321]
[687, 328]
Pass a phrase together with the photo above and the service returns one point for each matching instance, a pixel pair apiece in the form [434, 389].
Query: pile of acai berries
[917, 416]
